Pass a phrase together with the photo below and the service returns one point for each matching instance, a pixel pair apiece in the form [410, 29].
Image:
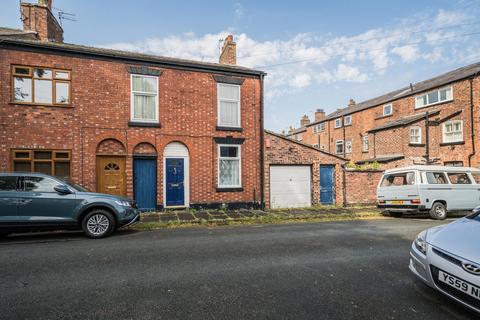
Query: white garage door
[290, 186]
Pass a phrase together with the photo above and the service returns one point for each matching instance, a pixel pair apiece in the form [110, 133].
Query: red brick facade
[97, 122]
[361, 186]
[394, 142]
[282, 151]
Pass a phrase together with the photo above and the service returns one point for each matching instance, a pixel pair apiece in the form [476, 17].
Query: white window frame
[417, 106]
[320, 127]
[337, 143]
[239, 157]
[444, 140]
[349, 122]
[350, 142]
[365, 146]
[391, 109]
[338, 123]
[299, 137]
[239, 104]
[132, 94]
[419, 135]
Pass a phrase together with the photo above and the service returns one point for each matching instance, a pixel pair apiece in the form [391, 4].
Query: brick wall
[282, 151]
[361, 186]
[101, 111]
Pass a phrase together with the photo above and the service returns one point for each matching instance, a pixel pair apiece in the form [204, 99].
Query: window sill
[221, 128]
[219, 189]
[384, 116]
[144, 124]
[416, 144]
[32, 104]
[456, 143]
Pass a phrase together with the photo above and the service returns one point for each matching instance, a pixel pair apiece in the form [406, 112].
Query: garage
[290, 186]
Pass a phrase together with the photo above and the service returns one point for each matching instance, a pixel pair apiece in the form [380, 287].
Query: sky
[318, 54]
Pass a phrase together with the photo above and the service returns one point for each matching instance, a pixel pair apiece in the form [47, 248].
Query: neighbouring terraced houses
[435, 121]
[167, 132]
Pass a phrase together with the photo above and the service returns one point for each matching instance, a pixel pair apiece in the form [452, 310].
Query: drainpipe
[262, 151]
[344, 186]
[329, 142]
[427, 139]
[374, 146]
[472, 125]
[344, 142]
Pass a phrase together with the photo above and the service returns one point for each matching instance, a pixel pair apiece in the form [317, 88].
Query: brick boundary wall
[361, 186]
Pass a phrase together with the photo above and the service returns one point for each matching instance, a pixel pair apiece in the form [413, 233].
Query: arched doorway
[176, 178]
[110, 171]
[145, 176]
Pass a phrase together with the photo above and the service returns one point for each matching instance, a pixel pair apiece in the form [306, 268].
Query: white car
[447, 258]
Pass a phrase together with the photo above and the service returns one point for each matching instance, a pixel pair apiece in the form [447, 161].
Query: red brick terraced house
[436, 121]
[167, 132]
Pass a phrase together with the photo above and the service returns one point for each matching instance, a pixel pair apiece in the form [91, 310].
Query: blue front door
[175, 181]
[145, 183]
[327, 184]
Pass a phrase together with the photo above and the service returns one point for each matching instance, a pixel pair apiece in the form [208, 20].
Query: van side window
[459, 178]
[398, 179]
[436, 178]
[476, 177]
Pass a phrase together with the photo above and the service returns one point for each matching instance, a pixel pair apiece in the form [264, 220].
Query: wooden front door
[111, 175]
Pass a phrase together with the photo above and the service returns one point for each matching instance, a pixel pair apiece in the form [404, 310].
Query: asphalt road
[335, 270]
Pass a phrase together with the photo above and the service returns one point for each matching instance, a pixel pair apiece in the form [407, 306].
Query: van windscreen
[398, 179]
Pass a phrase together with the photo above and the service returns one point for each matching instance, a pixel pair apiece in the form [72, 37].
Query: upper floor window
[415, 135]
[339, 147]
[229, 166]
[365, 143]
[299, 137]
[338, 122]
[433, 97]
[144, 98]
[228, 105]
[387, 109]
[347, 120]
[319, 127]
[41, 85]
[453, 131]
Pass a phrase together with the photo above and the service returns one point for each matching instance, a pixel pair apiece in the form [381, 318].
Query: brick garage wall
[361, 186]
[282, 151]
[101, 111]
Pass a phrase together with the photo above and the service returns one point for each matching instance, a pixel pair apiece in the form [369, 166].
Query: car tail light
[381, 201]
[415, 201]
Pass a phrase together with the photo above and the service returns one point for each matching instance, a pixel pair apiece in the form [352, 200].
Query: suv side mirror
[62, 189]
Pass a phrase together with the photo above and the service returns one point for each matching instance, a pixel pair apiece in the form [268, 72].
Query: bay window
[229, 166]
[144, 98]
[228, 105]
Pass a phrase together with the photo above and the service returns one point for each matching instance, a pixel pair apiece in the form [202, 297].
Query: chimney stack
[351, 103]
[229, 51]
[319, 115]
[304, 121]
[38, 17]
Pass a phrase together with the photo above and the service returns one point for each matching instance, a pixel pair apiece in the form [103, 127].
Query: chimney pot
[351, 103]
[40, 19]
[229, 51]
[319, 115]
[304, 121]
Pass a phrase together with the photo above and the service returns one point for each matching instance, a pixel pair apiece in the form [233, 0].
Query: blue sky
[318, 54]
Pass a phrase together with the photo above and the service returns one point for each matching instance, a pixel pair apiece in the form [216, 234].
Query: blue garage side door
[145, 183]
[327, 184]
[175, 181]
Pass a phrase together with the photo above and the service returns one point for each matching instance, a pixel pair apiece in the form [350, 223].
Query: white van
[433, 189]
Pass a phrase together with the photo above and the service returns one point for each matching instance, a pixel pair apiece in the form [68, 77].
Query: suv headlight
[122, 203]
[421, 242]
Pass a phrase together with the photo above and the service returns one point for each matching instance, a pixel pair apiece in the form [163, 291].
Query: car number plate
[459, 284]
[397, 202]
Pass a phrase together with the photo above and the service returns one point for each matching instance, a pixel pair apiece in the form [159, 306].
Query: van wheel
[395, 214]
[438, 211]
[98, 224]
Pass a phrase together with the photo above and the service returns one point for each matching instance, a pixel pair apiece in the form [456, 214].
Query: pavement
[331, 270]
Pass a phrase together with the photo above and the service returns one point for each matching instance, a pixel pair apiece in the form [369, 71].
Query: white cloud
[295, 63]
